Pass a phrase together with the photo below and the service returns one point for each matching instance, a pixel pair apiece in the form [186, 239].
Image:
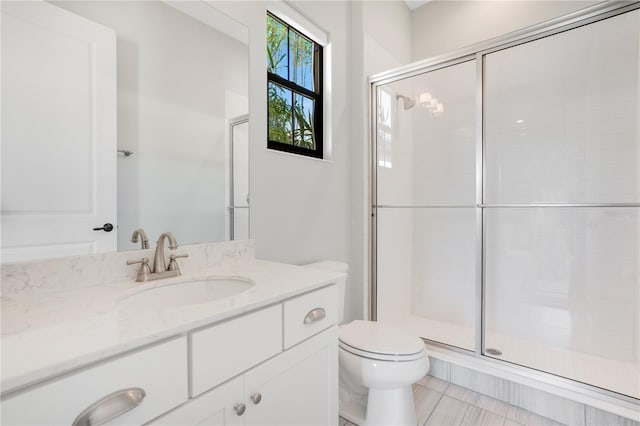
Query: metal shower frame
[478, 52]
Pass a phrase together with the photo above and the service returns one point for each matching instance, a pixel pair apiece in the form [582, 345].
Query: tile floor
[439, 403]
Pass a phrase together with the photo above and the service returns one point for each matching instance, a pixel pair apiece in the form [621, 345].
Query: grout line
[465, 411]
[434, 409]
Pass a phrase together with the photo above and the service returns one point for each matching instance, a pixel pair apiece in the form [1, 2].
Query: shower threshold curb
[560, 387]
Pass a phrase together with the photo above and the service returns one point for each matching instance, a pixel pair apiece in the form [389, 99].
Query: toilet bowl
[378, 363]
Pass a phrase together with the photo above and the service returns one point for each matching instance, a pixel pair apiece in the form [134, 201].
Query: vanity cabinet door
[220, 406]
[128, 390]
[298, 387]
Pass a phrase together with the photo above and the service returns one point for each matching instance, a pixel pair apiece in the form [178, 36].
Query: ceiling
[414, 4]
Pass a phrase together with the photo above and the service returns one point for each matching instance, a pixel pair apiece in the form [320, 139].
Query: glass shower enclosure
[506, 199]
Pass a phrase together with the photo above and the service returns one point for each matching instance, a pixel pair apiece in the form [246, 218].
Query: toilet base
[390, 407]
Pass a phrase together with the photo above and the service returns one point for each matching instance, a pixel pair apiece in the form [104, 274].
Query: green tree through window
[294, 91]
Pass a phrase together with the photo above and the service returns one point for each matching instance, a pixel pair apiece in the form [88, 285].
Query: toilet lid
[376, 338]
[382, 357]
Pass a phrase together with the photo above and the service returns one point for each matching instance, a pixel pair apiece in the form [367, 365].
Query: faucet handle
[145, 270]
[173, 265]
[144, 261]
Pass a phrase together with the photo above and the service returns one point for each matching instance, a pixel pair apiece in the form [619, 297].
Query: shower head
[407, 103]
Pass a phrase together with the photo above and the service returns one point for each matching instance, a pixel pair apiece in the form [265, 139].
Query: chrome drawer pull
[315, 315]
[109, 407]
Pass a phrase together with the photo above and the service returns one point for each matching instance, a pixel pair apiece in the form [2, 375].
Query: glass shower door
[426, 222]
[562, 187]
[239, 194]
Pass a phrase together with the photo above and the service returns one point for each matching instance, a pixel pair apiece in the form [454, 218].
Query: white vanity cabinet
[274, 365]
[297, 386]
[215, 407]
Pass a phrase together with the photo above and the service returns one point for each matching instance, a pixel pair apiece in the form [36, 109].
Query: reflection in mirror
[239, 208]
[120, 113]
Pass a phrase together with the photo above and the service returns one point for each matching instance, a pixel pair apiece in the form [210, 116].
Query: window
[294, 90]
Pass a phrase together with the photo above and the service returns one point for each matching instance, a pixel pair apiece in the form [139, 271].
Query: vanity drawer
[160, 371]
[227, 349]
[309, 314]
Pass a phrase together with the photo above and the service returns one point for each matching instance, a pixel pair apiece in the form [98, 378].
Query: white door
[58, 133]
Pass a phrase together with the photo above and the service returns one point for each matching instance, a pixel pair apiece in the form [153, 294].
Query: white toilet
[378, 365]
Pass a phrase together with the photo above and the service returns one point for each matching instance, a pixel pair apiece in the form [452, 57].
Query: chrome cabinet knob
[256, 397]
[239, 408]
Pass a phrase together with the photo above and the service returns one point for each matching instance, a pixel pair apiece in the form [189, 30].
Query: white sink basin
[186, 293]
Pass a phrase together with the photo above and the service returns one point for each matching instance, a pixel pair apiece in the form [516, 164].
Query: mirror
[127, 113]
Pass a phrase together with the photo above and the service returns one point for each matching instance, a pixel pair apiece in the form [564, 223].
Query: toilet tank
[331, 265]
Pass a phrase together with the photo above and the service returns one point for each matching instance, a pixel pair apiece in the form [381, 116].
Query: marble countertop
[45, 335]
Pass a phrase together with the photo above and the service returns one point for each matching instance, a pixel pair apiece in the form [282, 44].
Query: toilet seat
[381, 357]
[373, 340]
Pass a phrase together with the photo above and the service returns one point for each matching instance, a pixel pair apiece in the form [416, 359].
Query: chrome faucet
[144, 241]
[159, 264]
[160, 268]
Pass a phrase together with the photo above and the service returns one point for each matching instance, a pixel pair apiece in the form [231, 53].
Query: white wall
[172, 105]
[388, 25]
[300, 207]
[303, 203]
[443, 26]
[304, 210]
[380, 40]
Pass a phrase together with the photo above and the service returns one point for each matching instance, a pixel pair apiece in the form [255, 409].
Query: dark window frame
[316, 95]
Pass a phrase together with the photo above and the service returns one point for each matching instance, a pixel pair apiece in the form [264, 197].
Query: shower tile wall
[395, 187]
[561, 117]
[432, 165]
[548, 264]
[563, 284]
[444, 238]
